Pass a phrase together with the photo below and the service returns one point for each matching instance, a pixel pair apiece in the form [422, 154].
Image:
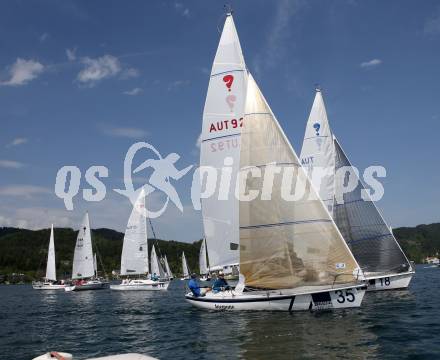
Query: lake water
[393, 324]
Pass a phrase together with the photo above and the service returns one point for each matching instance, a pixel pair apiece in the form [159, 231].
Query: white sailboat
[203, 264]
[84, 275]
[370, 239]
[169, 274]
[134, 258]
[50, 280]
[291, 254]
[185, 269]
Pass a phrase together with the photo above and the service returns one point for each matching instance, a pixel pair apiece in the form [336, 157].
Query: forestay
[318, 153]
[51, 273]
[284, 244]
[363, 227]
[220, 146]
[83, 255]
[134, 259]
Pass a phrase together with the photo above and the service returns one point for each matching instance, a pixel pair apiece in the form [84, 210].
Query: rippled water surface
[393, 324]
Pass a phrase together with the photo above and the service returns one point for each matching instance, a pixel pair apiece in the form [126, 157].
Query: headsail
[284, 244]
[156, 268]
[185, 269]
[202, 258]
[364, 229]
[51, 273]
[134, 259]
[220, 145]
[318, 153]
[83, 256]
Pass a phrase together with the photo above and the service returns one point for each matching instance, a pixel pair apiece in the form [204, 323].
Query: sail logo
[317, 126]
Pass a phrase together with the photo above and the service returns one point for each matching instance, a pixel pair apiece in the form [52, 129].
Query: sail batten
[134, 258]
[51, 273]
[83, 266]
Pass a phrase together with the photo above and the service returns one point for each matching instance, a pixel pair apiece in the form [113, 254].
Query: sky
[81, 81]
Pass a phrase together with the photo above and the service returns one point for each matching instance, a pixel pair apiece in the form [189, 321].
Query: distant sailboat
[204, 271]
[169, 274]
[49, 281]
[84, 272]
[370, 239]
[134, 258]
[291, 254]
[185, 269]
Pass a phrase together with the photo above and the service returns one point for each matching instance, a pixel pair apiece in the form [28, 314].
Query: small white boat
[84, 269]
[134, 257]
[169, 274]
[50, 280]
[185, 269]
[371, 240]
[203, 263]
[290, 253]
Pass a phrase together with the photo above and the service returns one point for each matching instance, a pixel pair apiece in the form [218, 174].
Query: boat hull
[92, 285]
[145, 285]
[280, 301]
[37, 286]
[389, 282]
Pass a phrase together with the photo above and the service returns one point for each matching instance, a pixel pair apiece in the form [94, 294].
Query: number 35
[349, 296]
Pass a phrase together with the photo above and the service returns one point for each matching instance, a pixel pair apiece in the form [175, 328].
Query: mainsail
[134, 259]
[156, 268]
[83, 255]
[51, 273]
[318, 153]
[184, 266]
[220, 146]
[202, 258]
[370, 239]
[284, 244]
[167, 267]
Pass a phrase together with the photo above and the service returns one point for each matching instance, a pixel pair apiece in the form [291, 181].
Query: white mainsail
[83, 255]
[95, 264]
[51, 273]
[284, 243]
[318, 152]
[202, 258]
[167, 267]
[184, 266]
[134, 258]
[220, 145]
[156, 268]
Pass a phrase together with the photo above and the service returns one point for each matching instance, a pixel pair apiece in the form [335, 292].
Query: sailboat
[50, 280]
[292, 256]
[204, 271]
[134, 258]
[84, 270]
[169, 274]
[363, 227]
[185, 269]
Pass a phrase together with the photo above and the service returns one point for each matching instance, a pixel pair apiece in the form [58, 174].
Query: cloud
[126, 132]
[182, 10]
[71, 54]
[43, 37]
[98, 69]
[23, 71]
[17, 141]
[9, 164]
[370, 64]
[129, 73]
[23, 190]
[432, 25]
[133, 92]
[177, 84]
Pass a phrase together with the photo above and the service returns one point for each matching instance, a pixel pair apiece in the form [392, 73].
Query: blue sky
[81, 81]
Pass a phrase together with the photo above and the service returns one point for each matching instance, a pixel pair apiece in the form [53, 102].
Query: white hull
[48, 286]
[141, 285]
[90, 285]
[279, 300]
[389, 282]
